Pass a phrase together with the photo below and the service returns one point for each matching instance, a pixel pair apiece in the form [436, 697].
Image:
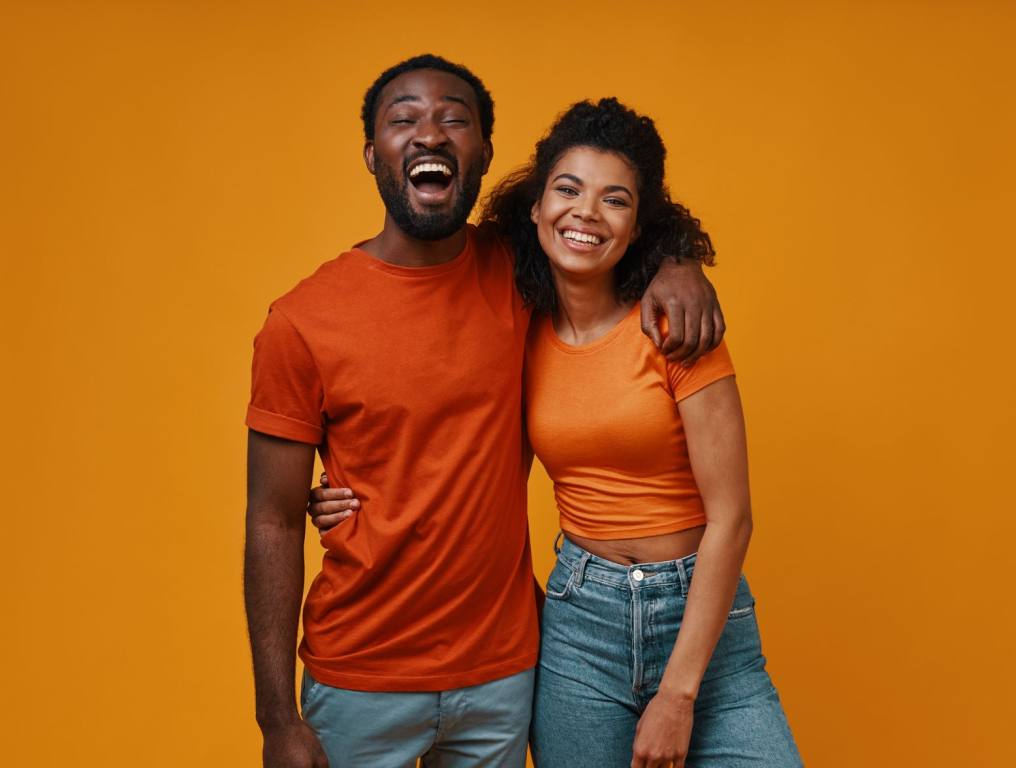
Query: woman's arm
[714, 427]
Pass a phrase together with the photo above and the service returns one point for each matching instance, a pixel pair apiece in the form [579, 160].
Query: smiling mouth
[581, 238]
[432, 177]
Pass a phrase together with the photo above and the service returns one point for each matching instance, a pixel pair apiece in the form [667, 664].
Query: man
[420, 631]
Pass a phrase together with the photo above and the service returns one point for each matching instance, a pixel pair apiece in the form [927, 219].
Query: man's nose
[429, 135]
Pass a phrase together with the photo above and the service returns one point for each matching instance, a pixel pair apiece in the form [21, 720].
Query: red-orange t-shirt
[408, 379]
[603, 419]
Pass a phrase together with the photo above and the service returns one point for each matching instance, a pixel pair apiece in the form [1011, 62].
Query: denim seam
[580, 570]
[567, 586]
[740, 613]
[637, 637]
[440, 723]
[623, 587]
[311, 689]
[682, 575]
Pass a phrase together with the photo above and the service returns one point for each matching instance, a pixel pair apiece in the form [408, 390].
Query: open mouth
[581, 240]
[431, 177]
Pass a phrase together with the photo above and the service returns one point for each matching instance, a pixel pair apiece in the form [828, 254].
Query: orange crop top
[603, 419]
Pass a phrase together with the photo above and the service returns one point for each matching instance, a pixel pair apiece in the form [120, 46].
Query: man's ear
[368, 156]
[488, 155]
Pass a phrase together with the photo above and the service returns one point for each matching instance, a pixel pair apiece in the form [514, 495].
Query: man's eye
[456, 120]
[402, 121]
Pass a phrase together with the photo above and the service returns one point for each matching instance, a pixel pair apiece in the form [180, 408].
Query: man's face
[428, 155]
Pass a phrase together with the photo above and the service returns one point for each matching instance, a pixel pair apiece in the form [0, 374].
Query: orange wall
[171, 167]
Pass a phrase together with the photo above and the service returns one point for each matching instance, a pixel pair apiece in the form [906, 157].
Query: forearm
[717, 571]
[273, 590]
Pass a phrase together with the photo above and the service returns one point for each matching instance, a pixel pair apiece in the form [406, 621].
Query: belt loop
[557, 542]
[580, 569]
[683, 575]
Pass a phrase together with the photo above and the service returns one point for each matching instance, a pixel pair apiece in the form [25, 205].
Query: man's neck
[396, 247]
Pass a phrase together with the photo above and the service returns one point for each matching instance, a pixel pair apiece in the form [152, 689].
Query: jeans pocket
[744, 602]
[309, 688]
[559, 584]
[741, 613]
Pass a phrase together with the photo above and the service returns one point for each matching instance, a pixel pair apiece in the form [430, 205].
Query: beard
[428, 225]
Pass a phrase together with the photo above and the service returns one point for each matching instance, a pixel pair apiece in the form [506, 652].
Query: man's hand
[293, 745]
[663, 733]
[695, 323]
[330, 506]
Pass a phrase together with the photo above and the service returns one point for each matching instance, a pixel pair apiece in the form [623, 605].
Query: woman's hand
[330, 506]
[663, 732]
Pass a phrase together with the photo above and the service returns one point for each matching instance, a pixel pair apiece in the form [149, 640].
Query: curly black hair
[667, 228]
[484, 101]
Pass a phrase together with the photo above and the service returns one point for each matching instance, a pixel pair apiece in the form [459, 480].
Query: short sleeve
[287, 398]
[712, 366]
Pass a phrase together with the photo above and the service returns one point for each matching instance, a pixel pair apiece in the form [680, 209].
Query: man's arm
[695, 322]
[278, 475]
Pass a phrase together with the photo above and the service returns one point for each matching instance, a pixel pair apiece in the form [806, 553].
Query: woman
[649, 467]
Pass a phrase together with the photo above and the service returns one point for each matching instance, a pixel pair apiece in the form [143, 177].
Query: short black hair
[484, 101]
[667, 227]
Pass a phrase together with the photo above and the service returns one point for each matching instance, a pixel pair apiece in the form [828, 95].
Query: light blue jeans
[608, 631]
[484, 724]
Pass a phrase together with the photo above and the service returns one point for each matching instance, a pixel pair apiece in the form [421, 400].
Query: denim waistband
[637, 576]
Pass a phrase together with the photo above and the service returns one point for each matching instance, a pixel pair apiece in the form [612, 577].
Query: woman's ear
[534, 213]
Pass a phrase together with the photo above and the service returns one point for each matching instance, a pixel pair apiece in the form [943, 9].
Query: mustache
[449, 159]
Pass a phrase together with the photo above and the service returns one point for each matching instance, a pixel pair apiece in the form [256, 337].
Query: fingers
[320, 494]
[701, 331]
[650, 327]
[338, 507]
[719, 326]
[325, 523]
[705, 340]
[679, 323]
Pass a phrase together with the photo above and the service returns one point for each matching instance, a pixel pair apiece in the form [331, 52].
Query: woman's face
[585, 218]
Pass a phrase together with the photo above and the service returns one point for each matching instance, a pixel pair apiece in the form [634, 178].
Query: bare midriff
[648, 549]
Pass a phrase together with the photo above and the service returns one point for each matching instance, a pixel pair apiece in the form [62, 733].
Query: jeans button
[637, 574]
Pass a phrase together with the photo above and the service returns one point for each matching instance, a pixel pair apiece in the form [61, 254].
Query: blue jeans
[608, 631]
[484, 724]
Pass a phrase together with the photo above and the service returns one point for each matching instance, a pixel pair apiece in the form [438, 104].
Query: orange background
[169, 168]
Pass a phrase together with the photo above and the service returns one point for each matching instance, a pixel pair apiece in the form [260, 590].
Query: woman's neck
[586, 309]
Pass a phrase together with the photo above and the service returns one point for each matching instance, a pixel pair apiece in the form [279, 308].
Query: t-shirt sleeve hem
[287, 428]
[701, 383]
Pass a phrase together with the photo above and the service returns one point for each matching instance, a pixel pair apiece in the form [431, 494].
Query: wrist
[277, 721]
[678, 690]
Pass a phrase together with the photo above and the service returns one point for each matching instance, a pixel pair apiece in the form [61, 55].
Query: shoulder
[316, 292]
[712, 366]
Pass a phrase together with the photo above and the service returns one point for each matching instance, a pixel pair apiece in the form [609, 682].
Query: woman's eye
[617, 202]
[569, 191]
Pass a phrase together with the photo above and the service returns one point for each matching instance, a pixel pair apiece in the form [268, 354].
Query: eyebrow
[410, 97]
[611, 188]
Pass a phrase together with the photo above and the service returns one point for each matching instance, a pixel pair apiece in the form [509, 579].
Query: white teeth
[430, 168]
[581, 237]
